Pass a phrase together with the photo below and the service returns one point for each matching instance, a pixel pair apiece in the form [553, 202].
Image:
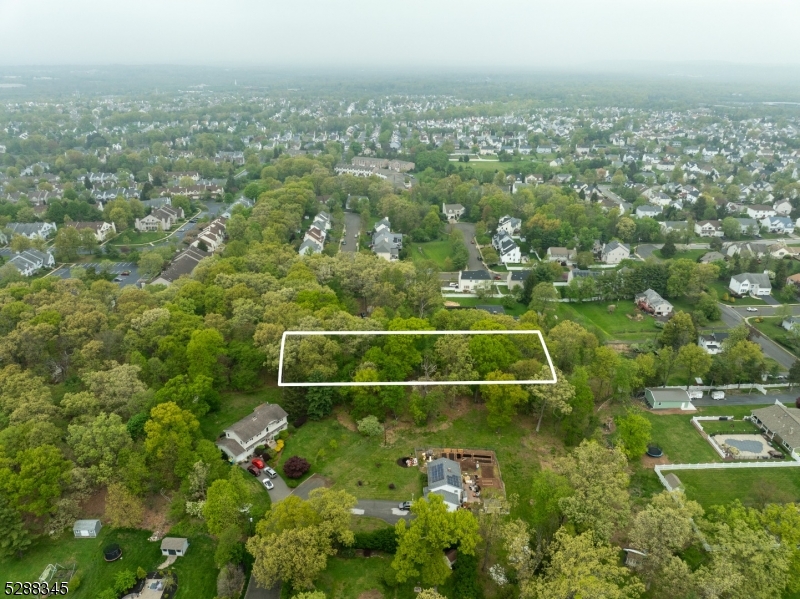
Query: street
[756, 398]
[733, 318]
[352, 225]
[468, 229]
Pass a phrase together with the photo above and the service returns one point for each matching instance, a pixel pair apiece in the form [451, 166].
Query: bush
[383, 539]
[283, 435]
[279, 445]
[370, 426]
[292, 483]
[295, 467]
[390, 577]
[300, 421]
[465, 578]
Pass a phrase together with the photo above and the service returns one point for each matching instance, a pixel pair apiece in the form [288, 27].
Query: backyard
[693, 255]
[618, 325]
[753, 486]
[436, 251]
[470, 302]
[137, 238]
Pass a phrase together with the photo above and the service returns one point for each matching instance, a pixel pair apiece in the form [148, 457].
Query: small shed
[174, 546]
[668, 399]
[86, 529]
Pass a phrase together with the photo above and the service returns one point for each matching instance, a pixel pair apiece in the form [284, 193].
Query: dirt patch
[346, 421]
[373, 594]
[95, 505]
[155, 513]
[648, 462]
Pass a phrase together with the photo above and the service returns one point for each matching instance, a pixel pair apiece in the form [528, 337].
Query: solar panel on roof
[452, 479]
[436, 473]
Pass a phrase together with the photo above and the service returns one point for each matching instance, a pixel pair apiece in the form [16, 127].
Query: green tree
[370, 427]
[203, 353]
[198, 395]
[66, 244]
[668, 250]
[634, 434]
[35, 479]
[124, 581]
[98, 443]
[543, 298]
[170, 435]
[16, 538]
[557, 397]
[421, 544]
[123, 508]
[678, 331]
[221, 509]
[695, 360]
[502, 400]
[150, 264]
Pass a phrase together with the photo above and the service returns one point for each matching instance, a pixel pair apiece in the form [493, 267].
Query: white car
[268, 484]
[752, 309]
[270, 472]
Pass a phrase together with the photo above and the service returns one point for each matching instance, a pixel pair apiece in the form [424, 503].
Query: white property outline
[538, 333]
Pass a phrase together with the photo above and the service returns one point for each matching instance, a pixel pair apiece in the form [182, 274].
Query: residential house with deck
[469, 281]
[507, 249]
[100, 229]
[239, 440]
[652, 302]
[780, 424]
[708, 228]
[509, 225]
[712, 342]
[453, 212]
[561, 255]
[615, 252]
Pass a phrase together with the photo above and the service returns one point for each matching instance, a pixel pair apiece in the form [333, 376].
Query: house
[652, 302]
[259, 428]
[183, 264]
[748, 226]
[580, 273]
[708, 228]
[712, 342]
[668, 226]
[615, 252]
[648, 211]
[778, 224]
[793, 279]
[32, 230]
[444, 479]
[176, 546]
[508, 251]
[28, 262]
[710, 257]
[780, 424]
[509, 225]
[790, 322]
[517, 278]
[472, 280]
[453, 212]
[748, 283]
[561, 255]
[783, 207]
[386, 243]
[668, 399]
[101, 230]
[86, 529]
[160, 219]
[212, 235]
[760, 211]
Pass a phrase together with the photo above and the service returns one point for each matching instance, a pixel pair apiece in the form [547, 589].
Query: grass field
[680, 441]
[693, 255]
[714, 427]
[436, 251]
[196, 571]
[753, 486]
[611, 326]
[348, 578]
[136, 237]
[517, 310]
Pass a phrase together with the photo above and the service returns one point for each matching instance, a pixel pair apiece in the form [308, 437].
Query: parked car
[406, 505]
[752, 309]
[270, 472]
[344, 243]
[715, 394]
[497, 277]
[258, 463]
[125, 273]
[254, 471]
[453, 284]
[118, 279]
[268, 484]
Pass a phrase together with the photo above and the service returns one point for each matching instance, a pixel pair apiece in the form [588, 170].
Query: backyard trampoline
[654, 451]
[112, 552]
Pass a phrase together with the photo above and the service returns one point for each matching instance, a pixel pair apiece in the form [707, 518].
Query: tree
[222, 507]
[116, 388]
[582, 566]
[295, 467]
[543, 298]
[124, 580]
[370, 427]
[695, 360]
[626, 229]
[547, 491]
[123, 508]
[98, 443]
[634, 434]
[557, 396]
[501, 400]
[428, 594]
[150, 264]
[678, 331]
[571, 345]
[668, 250]
[731, 227]
[15, 538]
[35, 479]
[293, 541]
[198, 395]
[578, 424]
[665, 362]
[170, 435]
[230, 547]
[421, 544]
[598, 476]
[203, 352]
[230, 581]
[66, 244]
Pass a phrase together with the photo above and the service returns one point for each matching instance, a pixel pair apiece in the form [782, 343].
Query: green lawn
[693, 255]
[437, 251]
[771, 327]
[196, 571]
[136, 237]
[714, 427]
[611, 326]
[348, 578]
[517, 310]
[680, 441]
[753, 486]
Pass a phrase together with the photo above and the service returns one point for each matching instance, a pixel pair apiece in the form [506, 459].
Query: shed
[86, 529]
[174, 546]
[666, 399]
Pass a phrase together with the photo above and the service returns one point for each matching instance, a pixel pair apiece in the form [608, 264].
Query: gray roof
[652, 298]
[256, 422]
[443, 472]
[712, 257]
[231, 444]
[520, 275]
[173, 543]
[447, 496]
[610, 247]
[669, 394]
[475, 275]
[85, 524]
[783, 421]
[761, 279]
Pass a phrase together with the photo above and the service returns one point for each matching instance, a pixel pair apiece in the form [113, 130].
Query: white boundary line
[281, 382]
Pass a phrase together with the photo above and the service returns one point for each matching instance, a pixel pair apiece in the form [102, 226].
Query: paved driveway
[733, 318]
[352, 225]
[281, 490]
[254, 591]
[381, 508]
[645, 250]
[755, 398]
[468, 229]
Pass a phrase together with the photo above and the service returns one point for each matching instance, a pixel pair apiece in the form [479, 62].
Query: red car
[497, 277]
[258, 463]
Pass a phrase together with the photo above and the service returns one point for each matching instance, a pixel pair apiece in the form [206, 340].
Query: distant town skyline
[507, 34]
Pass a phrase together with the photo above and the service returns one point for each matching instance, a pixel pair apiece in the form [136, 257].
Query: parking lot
[114, 267]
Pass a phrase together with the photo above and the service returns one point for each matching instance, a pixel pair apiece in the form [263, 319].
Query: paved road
[280, 491]
[115, 267]
[254, 591]
[733, 318]
[383, 509]
[755, 398]
[352, 225]
[762, 310]
[645, 250]
[468, 229]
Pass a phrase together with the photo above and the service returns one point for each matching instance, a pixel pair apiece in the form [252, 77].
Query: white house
[560, 254]
[760, 211]
[508, 251]
[708, 228]
[747, 283]
[778, 224]
[32, 230]
[444, 479]
[86, 529]
[259, 428]
[509, 225]
[615, 252]
[101, 230]
[783, 207]
[748, 226]
[453, 212]
[31, 261]
[472, 280]
[160, 219]
[652, 302]
[712, 342]
[648, 211]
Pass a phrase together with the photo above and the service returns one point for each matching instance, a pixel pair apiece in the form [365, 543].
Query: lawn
[437, 251]
[234, 407]
[693, 255]
[136, 237]
[753, 486]
[196, 571]
[470, 302]
[356, 458]
[680, 441]
[771, 327]
[348, 578]
[714, 427]
[612, 326]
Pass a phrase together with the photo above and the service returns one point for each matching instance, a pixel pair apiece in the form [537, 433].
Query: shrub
[292, 483]
[295, 467]
[283, 435]
[279, 446]
[124, 580]
[383, 539]
[390, 577]
[465, 578]
[370, 426]
[300, 421]
[333, 445]
[392, 487]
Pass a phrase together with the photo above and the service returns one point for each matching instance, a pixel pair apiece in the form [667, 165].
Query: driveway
[475, 262]
[645, 250]
[381, 508]
[756, 398]
[254, 591]
[733, 318]
[352, 225]
[314, 481]
[281, 490]
[762, 310]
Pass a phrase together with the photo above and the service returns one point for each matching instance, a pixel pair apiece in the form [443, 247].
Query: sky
[509, 34]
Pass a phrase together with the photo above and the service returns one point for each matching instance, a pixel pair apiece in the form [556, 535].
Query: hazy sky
[435, 33]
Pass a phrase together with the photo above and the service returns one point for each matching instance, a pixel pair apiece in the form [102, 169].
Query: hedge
[383, 539]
